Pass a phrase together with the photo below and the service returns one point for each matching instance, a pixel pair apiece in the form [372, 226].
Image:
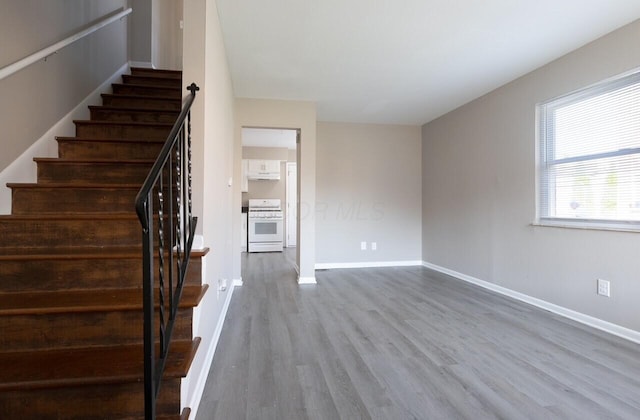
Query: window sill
[568, 224]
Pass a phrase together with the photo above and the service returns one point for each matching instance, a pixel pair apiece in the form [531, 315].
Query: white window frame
[545, 142]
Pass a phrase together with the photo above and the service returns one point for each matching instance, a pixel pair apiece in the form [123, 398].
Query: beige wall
[166, 35]
[35, 98]
[368, 189]
[213, 157]
[479, 166]
[140, 24]
[286, 114]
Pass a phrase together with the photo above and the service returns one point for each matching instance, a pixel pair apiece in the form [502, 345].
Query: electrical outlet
[222, 285]
[374, 246]
[363, 245]
[604, 288]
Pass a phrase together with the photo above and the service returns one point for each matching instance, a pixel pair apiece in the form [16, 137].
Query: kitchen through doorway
[269, 189]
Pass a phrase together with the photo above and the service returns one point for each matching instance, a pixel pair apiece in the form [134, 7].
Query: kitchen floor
[406, 343]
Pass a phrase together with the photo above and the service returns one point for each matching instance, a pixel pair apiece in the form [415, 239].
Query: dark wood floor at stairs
[71, 268]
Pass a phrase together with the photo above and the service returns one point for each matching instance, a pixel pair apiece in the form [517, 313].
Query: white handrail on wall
[27, 61]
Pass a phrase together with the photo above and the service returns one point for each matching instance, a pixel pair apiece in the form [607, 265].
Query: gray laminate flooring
[407, 343]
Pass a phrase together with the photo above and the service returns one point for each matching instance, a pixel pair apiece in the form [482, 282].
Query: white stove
[265, 225]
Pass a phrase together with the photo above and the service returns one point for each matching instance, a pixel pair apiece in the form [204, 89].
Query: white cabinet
[244, 185]
[263, 169]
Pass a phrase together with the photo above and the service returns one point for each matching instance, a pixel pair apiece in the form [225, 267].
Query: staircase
[71, 320]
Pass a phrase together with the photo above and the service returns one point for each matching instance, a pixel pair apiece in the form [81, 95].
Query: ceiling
[401, 61]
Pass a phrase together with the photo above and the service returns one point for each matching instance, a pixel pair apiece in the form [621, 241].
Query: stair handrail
[177, 211]
[46, 52]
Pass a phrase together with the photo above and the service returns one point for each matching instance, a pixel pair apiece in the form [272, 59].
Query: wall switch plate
[374, 246]
[363, 246]
[604, 288]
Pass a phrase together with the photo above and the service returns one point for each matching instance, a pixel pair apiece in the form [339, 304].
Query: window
[589, 173]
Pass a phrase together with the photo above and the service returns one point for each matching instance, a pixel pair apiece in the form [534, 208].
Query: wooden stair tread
[119, 123]
[146, 70]
[158, 87]
[111, 140]
[138, 96]
[93, 161]
[75, 301]
[70, 216]
[54, 185]
[125, 109]
[87, 366]
[69, 253]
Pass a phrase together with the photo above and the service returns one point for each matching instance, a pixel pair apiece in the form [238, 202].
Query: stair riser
[125, 116]
[121, 131]
[152, 80]
[38, 201]
[94, 173]
[33, 332]
[147, 91]
[138, 71]
[88, 402]
[55, 274]
[142, 103]
[77, 149]
[71, 233]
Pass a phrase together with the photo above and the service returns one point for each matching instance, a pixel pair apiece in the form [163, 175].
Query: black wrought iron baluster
[170, 231]
[161, 263]
[188, 215]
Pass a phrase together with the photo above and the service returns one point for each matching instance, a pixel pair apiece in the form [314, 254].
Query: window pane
[601, 124]
[590, 155]
[603, 189]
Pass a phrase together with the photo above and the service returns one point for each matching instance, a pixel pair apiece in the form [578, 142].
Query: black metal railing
[165, 200]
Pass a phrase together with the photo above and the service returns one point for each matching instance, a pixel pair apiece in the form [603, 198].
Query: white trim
[237, 282]
[24, 169]
[307, 280]
[44, 53]
[196, 397]
[605, 326]
[368, 264]
[142, 64]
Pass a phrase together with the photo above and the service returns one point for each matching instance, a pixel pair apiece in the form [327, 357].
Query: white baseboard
[194, 403]
[237, 282]
[24, 169]
[142, 64]
[307, 280]
[368, 264]
[608, 327]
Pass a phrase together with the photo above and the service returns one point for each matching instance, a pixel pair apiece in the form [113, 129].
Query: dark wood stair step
[96, 148]
[53, 198]
[152, 79]
[93, 170]
[112, 113]
[70, 230]
[142, 101]
[37, 269]
[121, 129]
[144, 71]
[76, 318]
[84, 301]
[115, 393]
[148, 90]
[87, 366]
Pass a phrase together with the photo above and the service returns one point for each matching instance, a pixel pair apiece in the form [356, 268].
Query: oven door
[265, 230]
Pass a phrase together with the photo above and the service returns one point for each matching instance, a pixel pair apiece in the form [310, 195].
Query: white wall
[213, 157]
[368, 189]
[37, 97]
[479, 194]
[286, 114]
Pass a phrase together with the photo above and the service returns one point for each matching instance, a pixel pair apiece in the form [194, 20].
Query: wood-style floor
[407, 343]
